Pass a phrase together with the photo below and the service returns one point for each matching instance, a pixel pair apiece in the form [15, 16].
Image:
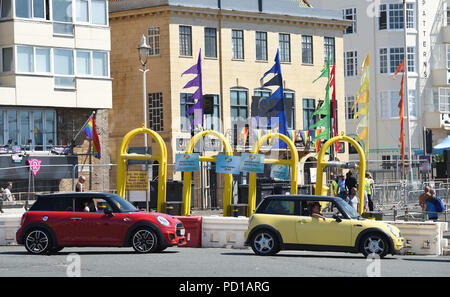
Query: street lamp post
[144, 53]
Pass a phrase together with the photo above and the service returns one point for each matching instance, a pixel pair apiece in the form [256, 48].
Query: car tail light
[24, 217]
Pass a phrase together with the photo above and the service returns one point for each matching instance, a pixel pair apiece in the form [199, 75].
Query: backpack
[440, 207]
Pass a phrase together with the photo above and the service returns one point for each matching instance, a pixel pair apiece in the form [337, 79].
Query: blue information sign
[252, 163]
[187, 162]
[228, 164]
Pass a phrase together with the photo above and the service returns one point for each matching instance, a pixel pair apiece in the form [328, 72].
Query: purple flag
[197, 108]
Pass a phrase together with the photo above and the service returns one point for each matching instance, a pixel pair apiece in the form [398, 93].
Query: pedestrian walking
[342, 190]
[7, 195]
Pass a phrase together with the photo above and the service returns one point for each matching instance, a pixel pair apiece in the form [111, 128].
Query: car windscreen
[121, 204]
[348, 209]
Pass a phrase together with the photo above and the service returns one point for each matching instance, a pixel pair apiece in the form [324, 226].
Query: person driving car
[314, 210]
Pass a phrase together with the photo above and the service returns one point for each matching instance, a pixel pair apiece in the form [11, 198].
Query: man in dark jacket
[350, 182]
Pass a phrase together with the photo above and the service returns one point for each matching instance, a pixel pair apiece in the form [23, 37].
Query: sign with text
[187, 162]
[137, 180]
[228, 164]
[252, 163]
[279, 172]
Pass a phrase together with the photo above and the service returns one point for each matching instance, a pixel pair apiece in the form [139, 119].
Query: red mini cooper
[63, 220]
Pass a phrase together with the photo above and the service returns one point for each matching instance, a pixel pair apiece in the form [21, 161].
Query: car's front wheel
[265, 243]
[38, 242]
[144, 240]
[375, 244]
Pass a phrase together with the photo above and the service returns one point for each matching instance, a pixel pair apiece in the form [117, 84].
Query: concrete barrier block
[422, 238]
[224, 232]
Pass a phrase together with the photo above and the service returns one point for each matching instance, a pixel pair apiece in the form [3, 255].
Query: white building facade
[54, 71]
[378, 30]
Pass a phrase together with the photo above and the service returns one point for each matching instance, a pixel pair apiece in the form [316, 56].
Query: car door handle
[303, 221]
[126, 219]
[76, 219]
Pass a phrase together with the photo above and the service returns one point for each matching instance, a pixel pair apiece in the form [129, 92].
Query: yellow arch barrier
[321, 164]
[187, 185]
[293, 163]
[123, 156]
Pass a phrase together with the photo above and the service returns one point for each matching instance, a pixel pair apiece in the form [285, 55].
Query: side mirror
[337, 217]
[108, 211]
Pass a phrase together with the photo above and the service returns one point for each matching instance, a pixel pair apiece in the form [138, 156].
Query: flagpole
[82, 127]
[405, 25]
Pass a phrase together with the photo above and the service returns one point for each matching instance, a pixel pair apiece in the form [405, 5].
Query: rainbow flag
[91, 131]
[242, 137]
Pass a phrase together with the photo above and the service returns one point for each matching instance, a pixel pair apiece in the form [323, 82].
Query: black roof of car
[75, 195]
[303, 197]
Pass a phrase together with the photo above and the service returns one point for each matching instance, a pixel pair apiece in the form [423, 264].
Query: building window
[307, 49]
[349, 112]
[185, 104]
[309, 107]
[383, 61]
[25, 127]
[5, 8]
[350, 14]
[185, 41]
[389, 104]
[392, 18]
[83, 63]
[42, 58]
[212, 121]
[82, 11]
[285, 47]
[99, 13]
[390, 62]
[155, 112]
[396, 18]
[30, 9]
[396, 55]
[238, 106]
[351, 63]
[211, 42]
[63, 65]
[6, 59]
[153, 40]
[238, 44]
[411, 59]
[329, 50]
[289, 106]
[261, 46]
[25, 59]
[444, 100]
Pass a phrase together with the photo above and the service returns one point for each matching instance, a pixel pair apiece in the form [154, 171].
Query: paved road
[190, 262]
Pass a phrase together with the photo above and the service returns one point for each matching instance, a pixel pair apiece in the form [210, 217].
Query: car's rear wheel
[375, 244]
[144, 240]
[38, 241]
[265, 243]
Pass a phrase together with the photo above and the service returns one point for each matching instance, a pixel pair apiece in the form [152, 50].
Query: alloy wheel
[37, 242]
[144, 241]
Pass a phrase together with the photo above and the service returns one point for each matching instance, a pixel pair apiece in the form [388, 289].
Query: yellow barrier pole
[321, 164]
[187, 180]
[293, 163]
[123, 156]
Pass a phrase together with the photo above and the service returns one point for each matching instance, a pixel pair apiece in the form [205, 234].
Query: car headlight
[163, 221]
[393, 231]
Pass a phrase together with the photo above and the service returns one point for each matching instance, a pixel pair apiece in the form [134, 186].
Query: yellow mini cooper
[318, 223]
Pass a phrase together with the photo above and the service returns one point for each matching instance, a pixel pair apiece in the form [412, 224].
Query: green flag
[324, 110]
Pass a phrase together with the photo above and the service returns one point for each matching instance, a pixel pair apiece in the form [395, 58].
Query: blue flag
[277, 108]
